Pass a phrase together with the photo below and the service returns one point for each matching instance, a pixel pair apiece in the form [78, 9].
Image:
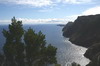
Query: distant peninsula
[61, 25]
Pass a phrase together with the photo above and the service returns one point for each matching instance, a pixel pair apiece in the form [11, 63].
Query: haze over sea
[66, 52]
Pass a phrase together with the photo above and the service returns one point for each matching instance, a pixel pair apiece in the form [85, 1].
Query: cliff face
[92, 51]
[85, 30]
[67, 26]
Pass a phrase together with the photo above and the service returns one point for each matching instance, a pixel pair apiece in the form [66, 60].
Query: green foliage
[36, 49]
[34, 43]
[13, 47]
[15, 31]
[31, 52]
[50, 54]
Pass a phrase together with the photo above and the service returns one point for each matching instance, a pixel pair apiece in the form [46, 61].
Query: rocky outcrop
[95, 60]
[66, 26]
[85, 30]
[92, 51]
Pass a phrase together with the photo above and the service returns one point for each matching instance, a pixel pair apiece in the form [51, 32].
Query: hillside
[85, 30]
[66, 26]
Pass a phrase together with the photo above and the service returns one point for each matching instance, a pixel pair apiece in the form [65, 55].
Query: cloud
[73, 1]
[41, 3]
[45, 10]
[92, 11]
[77, 1]
[43, 21]
[71, 17]
[5, 21]
[37, 21]
[35, 3]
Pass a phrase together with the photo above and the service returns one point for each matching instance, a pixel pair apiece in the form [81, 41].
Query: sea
[66, 51]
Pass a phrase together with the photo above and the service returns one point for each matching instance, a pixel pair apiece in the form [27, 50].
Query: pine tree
[13, 47]
[32, 52]
[37, 53]
[34, 43]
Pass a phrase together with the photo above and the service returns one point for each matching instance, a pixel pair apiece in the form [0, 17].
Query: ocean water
[66, 51]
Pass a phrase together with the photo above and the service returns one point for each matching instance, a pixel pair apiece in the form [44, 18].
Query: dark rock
[61, 25]
[66, 27]
[1, 59]
[92, 51]
[95, 60]
[85, 30]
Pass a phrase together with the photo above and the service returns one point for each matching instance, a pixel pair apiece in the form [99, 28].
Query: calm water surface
[66, 52]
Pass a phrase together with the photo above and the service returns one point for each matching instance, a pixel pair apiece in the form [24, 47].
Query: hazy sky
[44, 10]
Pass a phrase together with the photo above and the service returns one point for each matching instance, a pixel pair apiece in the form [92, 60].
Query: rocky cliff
[85, 30]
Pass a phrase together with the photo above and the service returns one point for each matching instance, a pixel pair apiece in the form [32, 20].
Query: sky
[46, 11]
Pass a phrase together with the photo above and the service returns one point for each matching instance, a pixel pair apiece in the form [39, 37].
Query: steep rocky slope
[85, 30]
